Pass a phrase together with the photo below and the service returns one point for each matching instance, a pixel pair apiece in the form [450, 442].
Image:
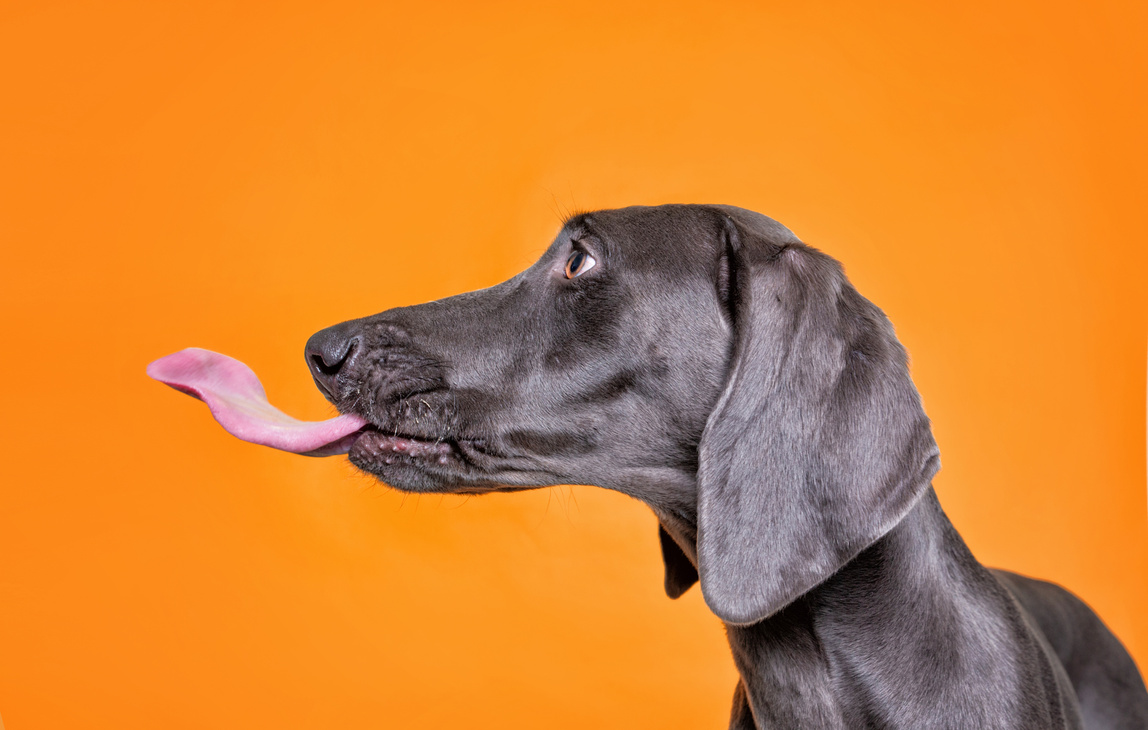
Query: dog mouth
[425, 459]
[401, 458]
[375, 449]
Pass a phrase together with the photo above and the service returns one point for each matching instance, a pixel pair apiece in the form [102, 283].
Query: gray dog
[705, 361]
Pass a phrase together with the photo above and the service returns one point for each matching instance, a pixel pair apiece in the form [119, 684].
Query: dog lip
[375, 450]
[377, 446]
[397, 433]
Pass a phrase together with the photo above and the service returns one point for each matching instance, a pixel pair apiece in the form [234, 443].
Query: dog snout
[329, 352]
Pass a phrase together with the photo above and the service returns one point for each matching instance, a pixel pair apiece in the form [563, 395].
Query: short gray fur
[730, 377]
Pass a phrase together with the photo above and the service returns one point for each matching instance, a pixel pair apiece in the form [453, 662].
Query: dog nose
[328, 352]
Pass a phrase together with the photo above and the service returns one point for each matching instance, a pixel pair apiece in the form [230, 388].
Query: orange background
[239, 176]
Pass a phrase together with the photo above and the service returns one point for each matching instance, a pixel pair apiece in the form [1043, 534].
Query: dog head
[699, 358]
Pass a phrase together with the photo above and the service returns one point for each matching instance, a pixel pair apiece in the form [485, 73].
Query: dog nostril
[333, 369]
[331, 358]
[328, 353]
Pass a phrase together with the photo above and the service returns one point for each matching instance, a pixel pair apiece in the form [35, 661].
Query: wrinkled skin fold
[711, 365]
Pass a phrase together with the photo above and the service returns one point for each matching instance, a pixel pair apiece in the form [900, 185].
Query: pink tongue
[237, 400]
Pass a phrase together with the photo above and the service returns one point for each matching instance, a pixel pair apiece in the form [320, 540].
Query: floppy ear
[818, 446]
[680, 572]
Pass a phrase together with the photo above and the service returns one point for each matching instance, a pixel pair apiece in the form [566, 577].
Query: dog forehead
[671, 244]
[662, 229]
[645, 227]
[667, 239]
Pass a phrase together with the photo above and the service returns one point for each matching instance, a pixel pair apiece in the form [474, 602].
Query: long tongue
[238, 402]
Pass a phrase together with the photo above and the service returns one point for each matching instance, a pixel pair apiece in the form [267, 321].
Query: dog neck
[912, 598]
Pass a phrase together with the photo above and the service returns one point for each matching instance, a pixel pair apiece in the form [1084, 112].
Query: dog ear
[680, 572]
[818, 445]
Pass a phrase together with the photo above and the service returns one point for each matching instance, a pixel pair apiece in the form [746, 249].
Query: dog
[702, 359]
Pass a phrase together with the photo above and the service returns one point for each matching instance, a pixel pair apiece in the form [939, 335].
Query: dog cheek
[553, 444]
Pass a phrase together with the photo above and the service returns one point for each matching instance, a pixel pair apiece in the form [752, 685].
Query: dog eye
[579, 263]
